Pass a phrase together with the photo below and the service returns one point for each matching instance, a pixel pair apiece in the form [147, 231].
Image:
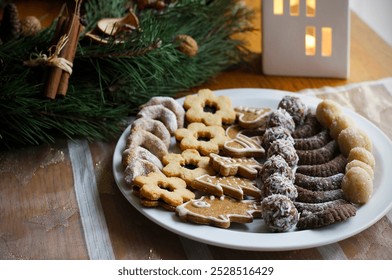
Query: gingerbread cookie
[243, 146]
[232, 186]
[170, 104]
[205, 139]
[251, 118]
[228, 166]
[158, 187]
[220, 212]
[188, 165]
[233, 130]
[208, 108]
[279, 213]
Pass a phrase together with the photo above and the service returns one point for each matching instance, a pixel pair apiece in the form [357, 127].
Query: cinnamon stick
[55, 73]
[69, 52]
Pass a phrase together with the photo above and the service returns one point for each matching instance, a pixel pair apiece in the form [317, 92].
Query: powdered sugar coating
[279, 213]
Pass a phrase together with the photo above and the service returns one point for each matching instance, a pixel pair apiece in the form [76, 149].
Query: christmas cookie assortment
[212, 163]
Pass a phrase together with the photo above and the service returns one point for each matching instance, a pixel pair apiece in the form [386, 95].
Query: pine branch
[110, 81]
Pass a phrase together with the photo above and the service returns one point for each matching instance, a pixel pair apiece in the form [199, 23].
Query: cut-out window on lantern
[326, 41]
[278, 7]
[294, 7]
[310, 41]
[310, 8]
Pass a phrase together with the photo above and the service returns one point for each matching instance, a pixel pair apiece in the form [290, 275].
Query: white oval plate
[254, 236]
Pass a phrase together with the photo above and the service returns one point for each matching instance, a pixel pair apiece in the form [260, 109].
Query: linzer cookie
[205, 139]
[188, 165]
[228, 166]
[219, 212]
[243, 146]
[208, 108]
[251, 118]
[157, 187]
[232, 186]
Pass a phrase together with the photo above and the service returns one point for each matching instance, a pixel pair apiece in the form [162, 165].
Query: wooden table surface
[45, 191]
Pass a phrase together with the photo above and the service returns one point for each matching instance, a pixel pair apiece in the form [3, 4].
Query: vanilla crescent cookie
[155, 127]
[230, 166]
[171, 104]
[147, 140]
[250, 117]
[188, 165]
[220, 212]
[197, 106]
[139, 167]
[232, 186]
[160, 113]
[205, 139]
[139, 152]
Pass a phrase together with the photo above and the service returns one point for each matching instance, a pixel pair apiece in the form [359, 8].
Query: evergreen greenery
[110, 81]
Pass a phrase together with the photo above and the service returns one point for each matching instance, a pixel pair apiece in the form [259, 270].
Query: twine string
[53, 59]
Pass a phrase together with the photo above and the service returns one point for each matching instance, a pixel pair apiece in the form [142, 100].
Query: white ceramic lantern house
[306, 38]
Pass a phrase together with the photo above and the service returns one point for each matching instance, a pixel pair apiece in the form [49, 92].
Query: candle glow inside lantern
[306, 38]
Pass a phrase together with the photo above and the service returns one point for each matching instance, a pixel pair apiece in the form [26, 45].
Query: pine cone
[10, 24]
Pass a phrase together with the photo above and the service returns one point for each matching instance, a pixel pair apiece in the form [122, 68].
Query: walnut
[30, 26]
[186, 45]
